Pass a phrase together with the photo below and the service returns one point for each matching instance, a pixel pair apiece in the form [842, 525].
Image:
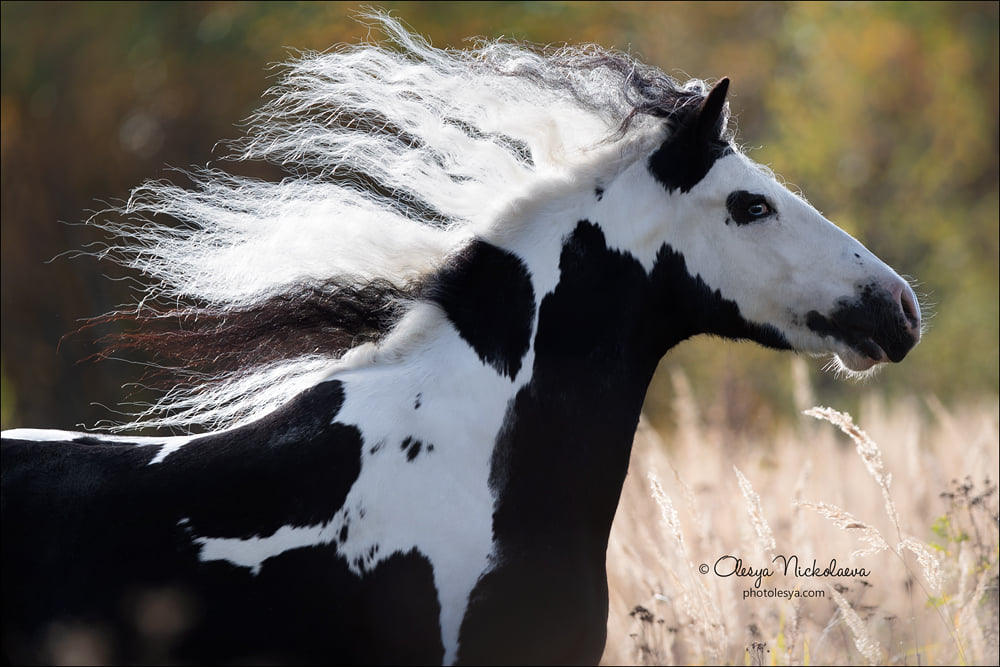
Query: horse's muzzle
[880, 323]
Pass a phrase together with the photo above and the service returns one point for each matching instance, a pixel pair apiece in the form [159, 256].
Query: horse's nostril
[911, 311]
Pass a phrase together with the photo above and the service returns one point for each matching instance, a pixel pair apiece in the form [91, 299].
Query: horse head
[773, 268]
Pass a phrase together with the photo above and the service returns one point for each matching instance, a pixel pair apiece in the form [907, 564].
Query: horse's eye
[747, 207]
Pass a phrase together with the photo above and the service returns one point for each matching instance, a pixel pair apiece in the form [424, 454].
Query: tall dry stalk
[869, 452]
[765, 538]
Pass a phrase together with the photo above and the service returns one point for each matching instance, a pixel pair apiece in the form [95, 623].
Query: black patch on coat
[867, 322]
[487, 295]
[89, 530]
[306, 607]
[412, 447]
[681, 163]
[95, 440]
[561, 458]
[295, 466]
[694, 144]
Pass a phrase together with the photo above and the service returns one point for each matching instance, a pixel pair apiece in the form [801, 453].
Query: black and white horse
[423, 359]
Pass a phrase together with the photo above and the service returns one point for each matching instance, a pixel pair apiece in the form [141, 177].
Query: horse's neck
[563, 454]
[526, 365]
[572, 332]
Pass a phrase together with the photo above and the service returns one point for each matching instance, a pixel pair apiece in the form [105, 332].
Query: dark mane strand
[641, 90]
[326, 319]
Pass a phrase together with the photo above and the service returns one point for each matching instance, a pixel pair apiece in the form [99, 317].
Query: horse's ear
[687, 154]
[710, 115]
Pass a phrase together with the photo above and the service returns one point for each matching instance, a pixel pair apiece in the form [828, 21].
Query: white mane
[398, 153]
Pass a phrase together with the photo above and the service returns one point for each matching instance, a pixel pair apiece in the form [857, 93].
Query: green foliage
[885, 114]
[898, 145]
[969, 529]
[972, 517]
[947, 533]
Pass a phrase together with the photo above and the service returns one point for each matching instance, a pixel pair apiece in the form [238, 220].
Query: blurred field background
[915, 505]
[884, 114]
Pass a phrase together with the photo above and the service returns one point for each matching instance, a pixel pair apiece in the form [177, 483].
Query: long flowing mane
[397, 154]
[422, 355]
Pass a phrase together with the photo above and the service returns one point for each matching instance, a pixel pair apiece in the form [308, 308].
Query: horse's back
[107, 540]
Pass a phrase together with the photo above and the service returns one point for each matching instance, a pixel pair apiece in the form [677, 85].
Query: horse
[415, 366]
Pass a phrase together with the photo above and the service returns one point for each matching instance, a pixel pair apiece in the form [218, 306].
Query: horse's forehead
[644, 214]
[736, 171]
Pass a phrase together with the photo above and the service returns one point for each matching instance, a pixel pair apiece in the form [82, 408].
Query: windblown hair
[397, 154]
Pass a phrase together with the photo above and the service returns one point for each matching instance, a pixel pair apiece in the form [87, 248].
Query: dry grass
[906, 507]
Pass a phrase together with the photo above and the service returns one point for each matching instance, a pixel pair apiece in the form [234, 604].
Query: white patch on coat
[440, 503]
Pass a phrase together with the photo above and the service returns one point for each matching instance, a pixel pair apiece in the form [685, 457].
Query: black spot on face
[870, 323]
[599, 192]
[418, 401]
[487, 295]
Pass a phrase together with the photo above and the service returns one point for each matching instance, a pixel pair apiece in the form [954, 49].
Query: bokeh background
[884, 114]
